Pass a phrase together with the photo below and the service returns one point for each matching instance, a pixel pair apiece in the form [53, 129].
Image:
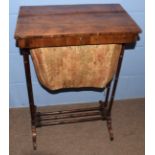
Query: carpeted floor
[89, 138]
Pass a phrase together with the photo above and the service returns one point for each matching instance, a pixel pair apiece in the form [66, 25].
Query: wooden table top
[63, 25]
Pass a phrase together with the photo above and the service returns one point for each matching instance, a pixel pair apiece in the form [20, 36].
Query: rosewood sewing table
[73, 25]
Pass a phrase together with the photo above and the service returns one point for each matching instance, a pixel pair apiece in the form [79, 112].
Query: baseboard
[85, 104]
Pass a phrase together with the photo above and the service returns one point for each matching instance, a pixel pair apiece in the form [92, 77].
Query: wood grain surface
[64, 25]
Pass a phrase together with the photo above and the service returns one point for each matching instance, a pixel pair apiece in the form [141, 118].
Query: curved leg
[32, 106]
[108, 114]
[109, 126]
[115, 81]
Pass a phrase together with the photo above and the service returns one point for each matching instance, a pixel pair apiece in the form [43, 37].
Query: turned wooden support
[25, 53]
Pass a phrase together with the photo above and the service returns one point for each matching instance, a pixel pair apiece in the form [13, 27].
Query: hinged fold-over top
[69, 25]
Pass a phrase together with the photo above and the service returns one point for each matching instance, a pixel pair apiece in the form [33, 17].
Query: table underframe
[101, 112]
